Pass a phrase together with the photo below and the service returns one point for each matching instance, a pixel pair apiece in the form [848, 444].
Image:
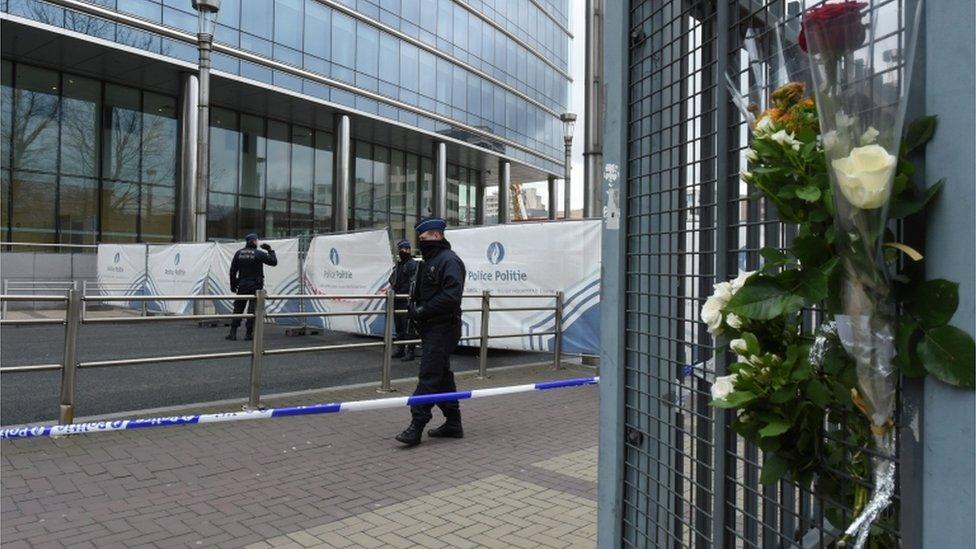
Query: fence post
[257, 351]
[388, 340]
[485, 316]
[557, 340]
[72, 321]
[6, 291]
[84, 304]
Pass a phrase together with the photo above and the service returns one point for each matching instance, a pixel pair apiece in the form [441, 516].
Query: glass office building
[439, 99]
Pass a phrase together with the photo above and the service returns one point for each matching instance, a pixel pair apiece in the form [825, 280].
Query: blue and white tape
[326, 408]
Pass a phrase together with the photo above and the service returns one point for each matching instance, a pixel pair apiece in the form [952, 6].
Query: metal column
[593, 111]
[504, 182]
[257, 351]
[186, 228]
[553, 208]
[479, 200]
[485, 319]
[388, 341]
[203, 143]
[439, 192]
[343, 174]
[72, 322]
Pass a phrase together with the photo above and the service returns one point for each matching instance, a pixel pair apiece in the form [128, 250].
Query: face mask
[405, 255]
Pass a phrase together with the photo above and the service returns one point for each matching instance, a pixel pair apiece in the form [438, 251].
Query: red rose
[833, 29]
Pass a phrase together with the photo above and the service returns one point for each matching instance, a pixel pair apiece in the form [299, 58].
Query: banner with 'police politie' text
[121, 270]
[531, 259]
[282, 279]
[346, 264]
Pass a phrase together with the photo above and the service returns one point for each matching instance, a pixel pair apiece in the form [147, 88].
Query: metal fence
[75, 316]
[688, 479]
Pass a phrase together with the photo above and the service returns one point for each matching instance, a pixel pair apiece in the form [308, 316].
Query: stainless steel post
[72, 322]
[204, 42]
[553, 207]
[485, 316]
[84, 304]
[567, 184]
[145, 285]
[439, 192]
[6, 291]
[189, 103]
[593, 111]
[504, 188]
[388, 341]
[557, 341]
[257, 351]
[343, 174]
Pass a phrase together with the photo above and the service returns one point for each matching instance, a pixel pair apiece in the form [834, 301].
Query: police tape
[10, 433]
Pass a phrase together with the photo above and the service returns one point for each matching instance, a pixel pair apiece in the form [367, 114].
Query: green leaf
[812, 251]
[783, 394]
[935, 302]
[736, 399]
[817, 393]
[752, 343]
[919, 133]
[774, 428]
[808, 193]
[948, 353]
[773, 469]
[906, 360]
[902, 206]
[762, 298]
[772, 255]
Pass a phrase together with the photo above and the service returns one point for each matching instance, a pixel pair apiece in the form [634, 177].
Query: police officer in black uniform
[401, 280]
[247, 277]
[435, 308]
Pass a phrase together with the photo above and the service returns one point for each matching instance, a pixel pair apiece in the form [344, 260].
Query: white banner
[532, 259]
[178, 269]
[121, 271]
[280, 279]
[355, 263]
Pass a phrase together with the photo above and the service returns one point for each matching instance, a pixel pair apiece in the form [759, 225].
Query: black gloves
[415, 311]
[266, 247]
[233, 289]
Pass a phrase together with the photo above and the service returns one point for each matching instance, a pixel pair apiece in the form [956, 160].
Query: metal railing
[99, 288]
[75, 316]
[34, 286]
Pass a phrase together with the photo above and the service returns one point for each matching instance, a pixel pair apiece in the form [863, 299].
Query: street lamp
[206, 21]
[569, 124]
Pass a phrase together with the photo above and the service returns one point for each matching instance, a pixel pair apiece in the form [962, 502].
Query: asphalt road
[33, 396]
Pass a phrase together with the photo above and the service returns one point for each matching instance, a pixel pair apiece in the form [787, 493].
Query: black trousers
[240, 304]
[439, 341]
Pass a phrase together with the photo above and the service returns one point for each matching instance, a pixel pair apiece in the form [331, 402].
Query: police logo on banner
[334, 256]
[496, 253]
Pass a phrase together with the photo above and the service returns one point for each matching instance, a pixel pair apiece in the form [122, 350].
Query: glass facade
[495, 65]
[85, 161]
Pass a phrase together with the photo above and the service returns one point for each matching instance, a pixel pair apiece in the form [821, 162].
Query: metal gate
[688, 480]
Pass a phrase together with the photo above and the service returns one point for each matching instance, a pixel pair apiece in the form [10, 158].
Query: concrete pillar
[439, 192]
[553, 207]
[504, 182]
[186, 222]
[479, 199]
[342, 182]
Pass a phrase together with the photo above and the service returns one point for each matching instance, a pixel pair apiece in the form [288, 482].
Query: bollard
[483, 352]
[257, 351]
[388, 341]
[72, 322]
[6, 291]
[557, 341]
[84, 304]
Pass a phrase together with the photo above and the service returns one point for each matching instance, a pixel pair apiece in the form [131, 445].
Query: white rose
[786, 139]
[723, 291]
[711, 314]
[739, 346]
[734, 321]
[723, 387]
[865, 176]
[764, 126]
[740, 281]
[843, 121]
[745, 175]
[751, 155]
[830, 140]
[869, 136]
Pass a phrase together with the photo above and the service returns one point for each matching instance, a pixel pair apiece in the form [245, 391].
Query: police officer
[247, 277]
[401, 280]
[435, 308]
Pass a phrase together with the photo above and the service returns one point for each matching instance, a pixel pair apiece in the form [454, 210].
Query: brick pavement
[524, 476]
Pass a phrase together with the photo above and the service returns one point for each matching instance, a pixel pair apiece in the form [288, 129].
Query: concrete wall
[949, 415]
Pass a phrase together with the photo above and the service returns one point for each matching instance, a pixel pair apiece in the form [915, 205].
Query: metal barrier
[105, 288]
[33, 286]
[75, 316]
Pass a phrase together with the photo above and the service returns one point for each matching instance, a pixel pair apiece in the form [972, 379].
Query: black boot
[411, 435]
[398, 353]
[409, 355]
[232, 335]
[450, 429]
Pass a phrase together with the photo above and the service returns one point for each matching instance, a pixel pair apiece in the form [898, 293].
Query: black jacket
[436, 295]
[247, 268]
[401, 279]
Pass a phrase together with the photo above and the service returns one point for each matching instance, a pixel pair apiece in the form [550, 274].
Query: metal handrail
[75, 317]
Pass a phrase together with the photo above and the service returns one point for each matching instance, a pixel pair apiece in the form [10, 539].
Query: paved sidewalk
[524, 476]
